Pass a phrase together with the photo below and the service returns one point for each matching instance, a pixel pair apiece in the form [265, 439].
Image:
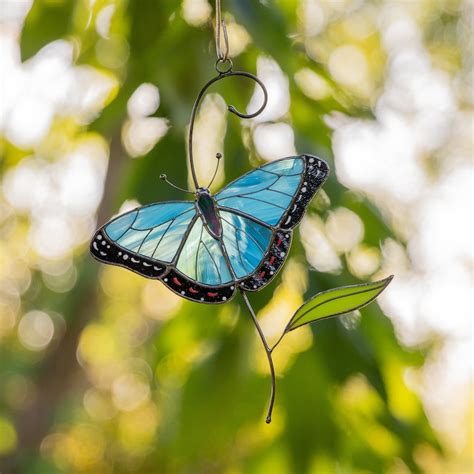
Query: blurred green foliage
[140, 382]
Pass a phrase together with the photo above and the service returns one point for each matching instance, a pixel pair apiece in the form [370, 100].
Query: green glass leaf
[336, 302]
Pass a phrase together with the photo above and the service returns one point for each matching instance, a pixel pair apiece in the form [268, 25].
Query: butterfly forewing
[144, 240]
[265, 193]
[276, 196]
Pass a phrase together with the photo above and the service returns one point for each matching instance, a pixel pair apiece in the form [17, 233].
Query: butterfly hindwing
[246, 242]
[271, 264]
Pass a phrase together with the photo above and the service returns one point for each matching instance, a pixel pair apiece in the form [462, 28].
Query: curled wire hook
[221, 75]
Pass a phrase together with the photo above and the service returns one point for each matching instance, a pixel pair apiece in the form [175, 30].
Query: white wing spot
[282, 254]
[134, 260]
[183, 292]
[145, 264]
[224, 298]
[99, 237]
[288, 220]
[125, 257]
[120, 253]
[94, 244]
[311, 160]
[166, 279]
[103, 254]
[303, 190]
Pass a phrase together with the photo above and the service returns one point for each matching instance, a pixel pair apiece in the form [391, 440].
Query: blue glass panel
[154, 238]
[272, 197]
[246, 242]
[132, 239]
[157, 214]
[252, 182]
[265, 193]
[171, 240]
[119, 226]
[187, 262]
[210, 257]
[287, 184]
[135, 232]
[263, 211]
[201, 258]
[287, 166]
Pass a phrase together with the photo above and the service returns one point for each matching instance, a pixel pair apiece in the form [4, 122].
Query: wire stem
[269, 356]
[278, 342]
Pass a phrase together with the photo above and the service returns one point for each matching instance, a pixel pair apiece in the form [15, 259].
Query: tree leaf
[336, 302]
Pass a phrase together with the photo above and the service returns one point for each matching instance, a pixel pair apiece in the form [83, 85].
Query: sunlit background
[103, 371]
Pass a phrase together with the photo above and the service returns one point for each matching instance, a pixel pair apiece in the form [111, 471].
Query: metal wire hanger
[224, 68]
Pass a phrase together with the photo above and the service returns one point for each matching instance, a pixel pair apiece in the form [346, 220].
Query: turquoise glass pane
[268, 213]
[246, 242]
[153, 238]
[201, 258]
[252, 182]
[287, 166]
[132, 239]
[157, 214]
[272, 197]
[154, 231]
[265, 193]
[287, 185]
[119, 226]
[171, 240]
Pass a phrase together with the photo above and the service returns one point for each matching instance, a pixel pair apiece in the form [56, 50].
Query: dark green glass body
[208, 210]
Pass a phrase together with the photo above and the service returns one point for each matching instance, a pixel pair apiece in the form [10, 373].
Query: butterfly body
[207, 209]
[206, 249]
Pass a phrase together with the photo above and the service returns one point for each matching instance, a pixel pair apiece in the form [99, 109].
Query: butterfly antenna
[164, 178]
[218, 156]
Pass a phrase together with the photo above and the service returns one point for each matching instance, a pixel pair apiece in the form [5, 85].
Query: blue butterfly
[204, 250]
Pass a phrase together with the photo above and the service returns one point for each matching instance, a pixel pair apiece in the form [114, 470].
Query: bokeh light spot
[36, 329]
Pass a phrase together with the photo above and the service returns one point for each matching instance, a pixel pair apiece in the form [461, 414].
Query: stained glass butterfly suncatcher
[204, 250]
[237, 240]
